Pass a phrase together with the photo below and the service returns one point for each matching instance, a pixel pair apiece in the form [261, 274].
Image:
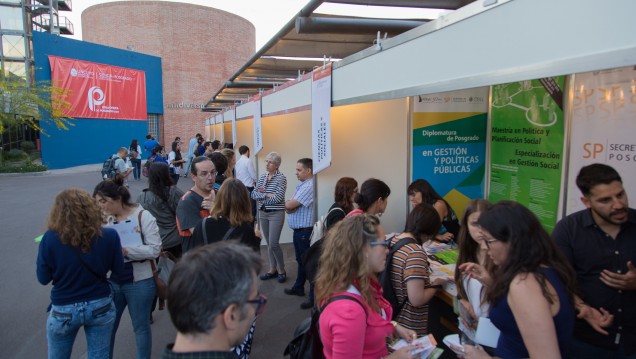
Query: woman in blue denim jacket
[75, 254]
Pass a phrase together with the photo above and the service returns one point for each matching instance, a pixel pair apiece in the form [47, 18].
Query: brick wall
[200, 48]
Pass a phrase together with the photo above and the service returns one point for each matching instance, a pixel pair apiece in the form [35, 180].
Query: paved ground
[25, 201]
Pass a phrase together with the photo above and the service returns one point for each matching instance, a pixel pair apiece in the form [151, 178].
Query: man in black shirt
[600, 243]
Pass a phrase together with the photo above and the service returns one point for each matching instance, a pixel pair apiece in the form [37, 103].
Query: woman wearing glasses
[356, 326]
[530, 291]
[410, 269]
[269, 194]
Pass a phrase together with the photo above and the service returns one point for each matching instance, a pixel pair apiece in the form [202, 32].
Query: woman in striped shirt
[410, 269]
[269, 194]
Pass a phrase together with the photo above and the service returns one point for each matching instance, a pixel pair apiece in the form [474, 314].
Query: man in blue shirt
[300, 217]
[150, 144]
[191, 147]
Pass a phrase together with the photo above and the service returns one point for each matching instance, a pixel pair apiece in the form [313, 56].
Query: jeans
[96, 316]
[187, 166]
[579, 349]
[271, 224]
[302, 240]
[136, 162]
[138, 296]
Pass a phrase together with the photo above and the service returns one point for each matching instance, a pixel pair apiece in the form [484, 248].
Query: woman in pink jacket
[356, 327]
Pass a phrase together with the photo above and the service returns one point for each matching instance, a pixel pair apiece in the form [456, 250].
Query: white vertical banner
[258, 129]
[603, 127]
[321, 118]
[220, 118]
[213, 120]
[232, 113]
[207, 129]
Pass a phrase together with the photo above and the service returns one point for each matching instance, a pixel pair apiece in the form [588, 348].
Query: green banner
[526, 152]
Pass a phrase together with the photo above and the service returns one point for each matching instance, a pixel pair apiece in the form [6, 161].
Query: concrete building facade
[200, 48]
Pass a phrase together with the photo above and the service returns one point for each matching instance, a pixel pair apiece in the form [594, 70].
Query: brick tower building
[200, 47]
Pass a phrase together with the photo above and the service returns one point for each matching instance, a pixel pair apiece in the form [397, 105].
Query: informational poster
[100, 91]
[213, 123]
[449, 143]
[258, 129]
[232, 114]
[603, 127]
[321, 118]
[526, 148]
[207, 129]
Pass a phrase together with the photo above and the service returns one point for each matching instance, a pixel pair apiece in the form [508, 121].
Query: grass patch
[22, 168]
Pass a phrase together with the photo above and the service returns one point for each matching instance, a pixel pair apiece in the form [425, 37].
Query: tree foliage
[22, 104]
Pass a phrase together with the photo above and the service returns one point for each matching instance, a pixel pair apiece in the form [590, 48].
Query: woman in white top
[135, 287]
[176, 162]
[134, 154]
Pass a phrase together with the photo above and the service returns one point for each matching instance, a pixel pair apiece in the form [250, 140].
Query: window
[11, 18]
[13, 46]
[153, 125]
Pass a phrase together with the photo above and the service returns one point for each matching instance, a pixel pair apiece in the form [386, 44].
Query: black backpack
[108, 168]
[385, 278]
[306, 343]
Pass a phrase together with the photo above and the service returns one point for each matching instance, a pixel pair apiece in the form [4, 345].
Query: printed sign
[321, 118]
[526, 148]
[100, 91]
[603, 127]
[449, 143]
[258, 129]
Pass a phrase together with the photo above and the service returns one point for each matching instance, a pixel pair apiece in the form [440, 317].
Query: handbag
[160, 284]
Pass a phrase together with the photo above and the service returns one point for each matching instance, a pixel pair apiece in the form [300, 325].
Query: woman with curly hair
[75, 254]
[356, 326]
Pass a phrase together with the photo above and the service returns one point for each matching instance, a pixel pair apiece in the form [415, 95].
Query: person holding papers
[141, 244]
[470, 291]
[530, 291]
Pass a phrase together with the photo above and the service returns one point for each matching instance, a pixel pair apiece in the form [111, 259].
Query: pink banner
[100, 91]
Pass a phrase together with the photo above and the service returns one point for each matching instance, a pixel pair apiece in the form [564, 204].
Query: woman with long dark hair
[134, 153]
[76, 254]
[344, 194]
[161, 199]
[531, 288]
[471, 292]
[357, 326]
[420, 191]
[176, 162]
[372, 198]
[136, 287]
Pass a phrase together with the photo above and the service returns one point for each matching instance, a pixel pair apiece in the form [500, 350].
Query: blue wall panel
[93, 140]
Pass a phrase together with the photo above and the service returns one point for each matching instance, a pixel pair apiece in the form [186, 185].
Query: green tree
[22, 104]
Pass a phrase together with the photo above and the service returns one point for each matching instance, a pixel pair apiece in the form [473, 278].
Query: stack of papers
[426, 347]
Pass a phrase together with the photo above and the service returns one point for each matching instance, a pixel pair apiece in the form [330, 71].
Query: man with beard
[600, 244]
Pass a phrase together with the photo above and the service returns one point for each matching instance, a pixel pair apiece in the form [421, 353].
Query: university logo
[96, 97]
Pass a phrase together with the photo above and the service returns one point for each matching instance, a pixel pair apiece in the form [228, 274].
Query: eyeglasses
[260, 302]
[207, 174]
[488, 241]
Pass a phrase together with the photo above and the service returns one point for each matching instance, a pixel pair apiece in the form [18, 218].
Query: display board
[603, 127]
[321, 118]
[526, 151]
[449, 143]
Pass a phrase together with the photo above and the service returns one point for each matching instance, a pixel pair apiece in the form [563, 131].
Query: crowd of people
[569, 294]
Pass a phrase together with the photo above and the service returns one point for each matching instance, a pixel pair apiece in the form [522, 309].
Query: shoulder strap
[203, 231]
[228, 233]
[342, 296]
[394, 248]
[333, 209]
[87, 267]
[141, 232]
